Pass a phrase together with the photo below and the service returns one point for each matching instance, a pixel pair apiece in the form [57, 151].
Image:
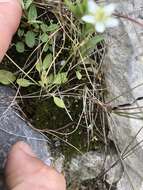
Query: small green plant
[43, 67]
[32, 30]
[62, 49]
[55, 61]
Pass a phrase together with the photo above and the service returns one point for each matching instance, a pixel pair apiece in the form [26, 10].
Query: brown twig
[128, 18]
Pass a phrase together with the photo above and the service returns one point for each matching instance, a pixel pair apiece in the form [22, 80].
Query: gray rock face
[14, 128]
[124, 79]
[87, 166]
[91, 165]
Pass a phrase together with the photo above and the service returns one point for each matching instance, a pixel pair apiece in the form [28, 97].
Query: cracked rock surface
[14, 128]
[124, 79]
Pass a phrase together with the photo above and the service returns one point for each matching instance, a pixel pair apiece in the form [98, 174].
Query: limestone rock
[91, 165]
[124, 78]
[14, 128]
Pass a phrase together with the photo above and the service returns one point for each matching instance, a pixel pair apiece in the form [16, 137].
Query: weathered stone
[87, 166]
[91, 165]
[14, 128]
[124, 78]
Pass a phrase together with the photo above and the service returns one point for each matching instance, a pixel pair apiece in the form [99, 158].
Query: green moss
[46, 115]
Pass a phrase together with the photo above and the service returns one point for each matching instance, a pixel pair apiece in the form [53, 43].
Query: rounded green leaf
[47, 61]
[52, 27]
[20, 47]
[44, 37]
[59, 102]
[23, 82]
[39, 66]
[6, 77]
[60, 78]
[30, 39]
[44, 27]
[32, 13]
